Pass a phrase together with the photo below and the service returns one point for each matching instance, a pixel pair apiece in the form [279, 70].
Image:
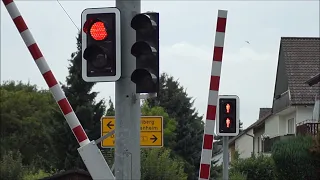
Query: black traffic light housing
[146, 51]
[228, 116]
[101, 51]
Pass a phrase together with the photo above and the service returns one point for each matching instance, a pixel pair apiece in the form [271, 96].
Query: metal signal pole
[225, 171]
[127, 102]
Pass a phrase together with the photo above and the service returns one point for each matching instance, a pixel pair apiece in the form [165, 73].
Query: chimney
[263, 112]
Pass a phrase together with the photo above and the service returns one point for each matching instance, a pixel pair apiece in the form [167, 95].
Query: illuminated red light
[98, 31]
[228, 122]
[228, 108]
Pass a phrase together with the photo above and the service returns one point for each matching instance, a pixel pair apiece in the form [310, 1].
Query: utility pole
[127, 102]
[225, 171]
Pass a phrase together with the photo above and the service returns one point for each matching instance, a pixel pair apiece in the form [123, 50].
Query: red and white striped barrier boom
[208, 135]
[47, 74]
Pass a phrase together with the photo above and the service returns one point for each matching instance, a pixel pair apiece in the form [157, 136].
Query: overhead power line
[68, 15]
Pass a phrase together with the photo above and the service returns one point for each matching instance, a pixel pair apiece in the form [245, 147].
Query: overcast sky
[187, 30]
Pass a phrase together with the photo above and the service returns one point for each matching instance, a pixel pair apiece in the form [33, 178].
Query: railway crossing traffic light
[228, 115]
[101, 53]
[146, 51]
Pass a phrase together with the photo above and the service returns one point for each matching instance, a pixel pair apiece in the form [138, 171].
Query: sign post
[151, 131]
[227, 125]
[127, 103]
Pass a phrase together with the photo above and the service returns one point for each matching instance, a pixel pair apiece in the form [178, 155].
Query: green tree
[11, 167]
[158, 165]
[236, 175]
[176, 102]
[26, 114]
[110, 110]
[169, 124]
[215, 171]
[89, 112]
[35, 174]
[108, 153]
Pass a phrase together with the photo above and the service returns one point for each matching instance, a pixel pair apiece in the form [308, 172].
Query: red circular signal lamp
[98, 31]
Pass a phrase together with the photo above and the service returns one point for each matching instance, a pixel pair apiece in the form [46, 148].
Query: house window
[291, 126]
[267, 144]
[258, 144]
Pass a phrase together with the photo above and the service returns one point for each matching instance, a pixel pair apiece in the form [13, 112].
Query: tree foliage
[215, 171]
[158, 165]
[35, 174]
[293, 159]
[315, 152]
[12, 168]
[237, 175]
[11, 165]
[26, 114]
[89, 112]
[169, 124]
[179, 106]
[32, 125]
[260, 167]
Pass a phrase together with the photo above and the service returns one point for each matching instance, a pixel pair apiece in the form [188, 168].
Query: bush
[236, 175]
[315, 151]
[293, 159]
[157, 164]
[261, 167]
[11, 167]
[215, 171]
[32, 175]
[233, 175]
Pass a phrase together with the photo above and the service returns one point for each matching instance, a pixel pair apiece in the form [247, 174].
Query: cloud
[247, 54]
[187, 50]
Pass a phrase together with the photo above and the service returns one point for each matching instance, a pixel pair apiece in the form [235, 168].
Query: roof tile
[263, 112]
[302, 59]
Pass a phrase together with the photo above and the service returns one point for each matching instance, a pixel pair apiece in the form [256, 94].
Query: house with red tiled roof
[296, 88]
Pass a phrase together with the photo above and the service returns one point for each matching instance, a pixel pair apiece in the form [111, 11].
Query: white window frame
[259, 148]
[292, 126]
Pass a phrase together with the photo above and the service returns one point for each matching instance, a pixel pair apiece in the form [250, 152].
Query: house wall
[283, 123]
[304, 113]
[231, 151]
[277, 125]
[244, 145]
[218, 158]
[258, 141]
[272, 126]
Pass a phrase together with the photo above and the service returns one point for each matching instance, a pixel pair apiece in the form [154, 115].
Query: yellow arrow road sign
[108, 124]
[151, 131]
[151, 139]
